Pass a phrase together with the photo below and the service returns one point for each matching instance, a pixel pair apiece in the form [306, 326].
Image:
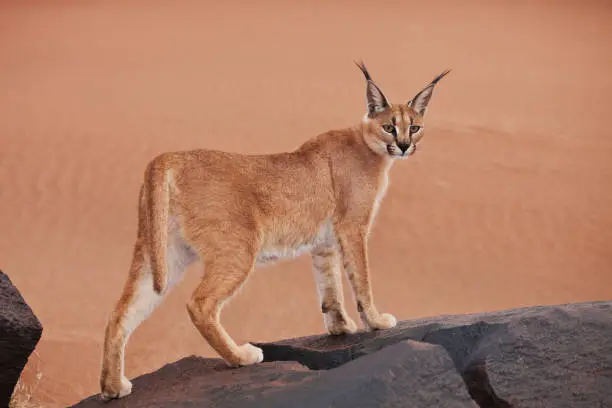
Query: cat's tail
[157, 197]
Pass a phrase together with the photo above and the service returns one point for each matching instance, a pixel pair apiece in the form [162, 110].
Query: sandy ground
[507, 204]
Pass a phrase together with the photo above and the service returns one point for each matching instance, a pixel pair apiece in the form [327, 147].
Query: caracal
[234, 212]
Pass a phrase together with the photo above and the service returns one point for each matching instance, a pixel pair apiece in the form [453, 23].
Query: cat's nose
[403, 146]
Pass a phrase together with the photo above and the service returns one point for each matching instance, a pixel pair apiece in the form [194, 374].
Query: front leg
[326, 265]
[353, 249]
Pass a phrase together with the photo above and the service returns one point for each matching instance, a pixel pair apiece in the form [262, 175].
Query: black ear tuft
[363, 69]
[439, 77]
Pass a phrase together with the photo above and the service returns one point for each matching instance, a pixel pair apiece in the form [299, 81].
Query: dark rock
[406, 374]
[20, 331]
[388, 378]
[556, 356]
[468, 346]
[199, 382]
[543, 356]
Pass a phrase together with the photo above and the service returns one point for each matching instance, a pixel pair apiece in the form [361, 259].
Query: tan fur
[234, 212]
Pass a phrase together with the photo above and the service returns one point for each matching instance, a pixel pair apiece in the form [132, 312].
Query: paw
[384, 321]
[341, 325]
[112, 390]
[249, 354]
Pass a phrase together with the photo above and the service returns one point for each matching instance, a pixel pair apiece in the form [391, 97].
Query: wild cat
[235, 212]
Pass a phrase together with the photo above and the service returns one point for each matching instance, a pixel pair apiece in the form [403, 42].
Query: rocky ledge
[552, 356]
[20, 331]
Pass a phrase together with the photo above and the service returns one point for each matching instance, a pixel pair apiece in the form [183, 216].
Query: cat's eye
[414, 128]
[387, 127]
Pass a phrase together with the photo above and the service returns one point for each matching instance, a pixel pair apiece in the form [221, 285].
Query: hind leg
[326, 265]
[224, 274]
[137, 302]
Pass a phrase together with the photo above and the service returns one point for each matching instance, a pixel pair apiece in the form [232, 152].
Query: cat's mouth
[397, 153]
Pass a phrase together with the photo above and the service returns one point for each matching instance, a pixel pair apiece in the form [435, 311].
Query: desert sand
[508, 202]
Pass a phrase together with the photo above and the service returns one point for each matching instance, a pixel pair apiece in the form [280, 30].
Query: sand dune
[507, 204]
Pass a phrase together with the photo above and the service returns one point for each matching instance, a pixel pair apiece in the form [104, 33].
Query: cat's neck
[372, 149]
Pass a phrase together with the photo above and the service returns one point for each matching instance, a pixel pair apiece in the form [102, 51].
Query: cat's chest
[383, 184]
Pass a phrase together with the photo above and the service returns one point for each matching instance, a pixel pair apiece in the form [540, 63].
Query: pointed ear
[421, 100]
[375, 99]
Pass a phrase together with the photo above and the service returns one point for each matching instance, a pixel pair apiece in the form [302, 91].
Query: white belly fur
[325, 237]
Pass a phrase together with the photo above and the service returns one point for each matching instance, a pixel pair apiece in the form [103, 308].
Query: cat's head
[395, 129]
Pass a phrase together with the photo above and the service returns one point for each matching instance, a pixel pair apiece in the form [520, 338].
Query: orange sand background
[508, 203]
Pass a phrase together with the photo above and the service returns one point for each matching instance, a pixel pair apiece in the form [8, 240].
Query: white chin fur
[396, 153]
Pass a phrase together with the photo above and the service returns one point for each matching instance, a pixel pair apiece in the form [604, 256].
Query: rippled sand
[507, 204]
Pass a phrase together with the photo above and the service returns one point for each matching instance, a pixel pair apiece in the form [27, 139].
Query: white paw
[249, 354]
[387, 321]
[384, 321]
[112, 391]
